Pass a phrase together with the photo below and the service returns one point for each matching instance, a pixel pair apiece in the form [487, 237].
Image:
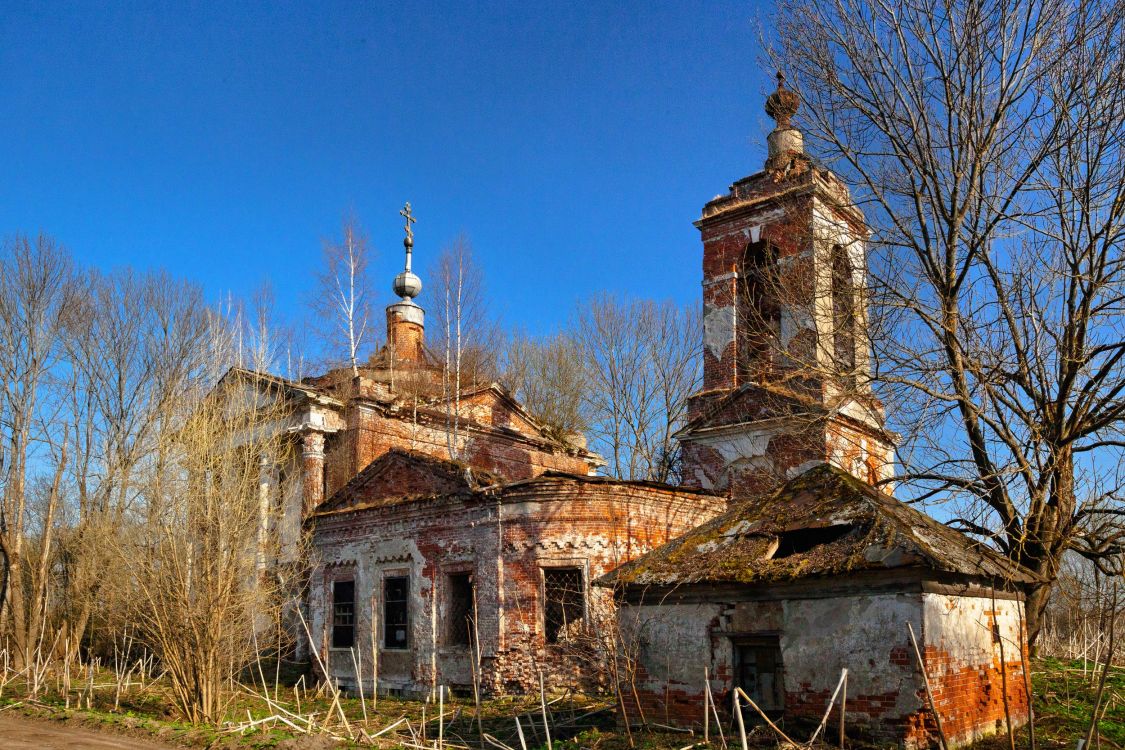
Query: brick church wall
[505, 541]
[490, 437]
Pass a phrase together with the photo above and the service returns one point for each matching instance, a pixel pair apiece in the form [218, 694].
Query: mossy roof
[823, 522]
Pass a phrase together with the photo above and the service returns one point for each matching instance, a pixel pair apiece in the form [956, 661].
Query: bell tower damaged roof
[824, 522]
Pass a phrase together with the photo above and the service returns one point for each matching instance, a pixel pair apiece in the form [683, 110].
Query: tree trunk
[1036, 606]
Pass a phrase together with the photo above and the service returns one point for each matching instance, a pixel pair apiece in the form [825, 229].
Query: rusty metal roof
[824, 522]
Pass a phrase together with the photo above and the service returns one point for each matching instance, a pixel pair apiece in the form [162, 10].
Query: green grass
[1064, 703]
[1063, 700]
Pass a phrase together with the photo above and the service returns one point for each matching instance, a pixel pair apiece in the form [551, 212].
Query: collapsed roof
[822, 523]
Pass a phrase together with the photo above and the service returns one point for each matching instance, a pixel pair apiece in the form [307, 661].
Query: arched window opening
[760, 313]
[844, 314]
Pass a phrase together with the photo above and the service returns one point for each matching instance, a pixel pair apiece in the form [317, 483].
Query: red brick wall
[371, 434]
[963, 637]
[504, 541]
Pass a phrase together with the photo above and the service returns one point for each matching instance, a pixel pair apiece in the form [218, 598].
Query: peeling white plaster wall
[718, 328]
[822, 636]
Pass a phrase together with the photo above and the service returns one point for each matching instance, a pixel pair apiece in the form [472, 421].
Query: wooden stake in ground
[929, 693]
[374, 656]
[710, 698]
[324, 671]
[828, 708]
[1003, 673]
[767, 719]
[1105, 670]
[1027, 677]
[476, 664]
[543, 706]
[706, 710]
[359, 683]
[741, 721]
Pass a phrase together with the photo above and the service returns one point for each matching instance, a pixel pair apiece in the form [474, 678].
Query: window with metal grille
[343, 614]
[564, 601]
[396, 612]
[459, 624]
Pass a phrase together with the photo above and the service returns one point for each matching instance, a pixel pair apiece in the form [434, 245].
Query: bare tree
[196, 588]
[642, 362]
[136, 346]
[344, 296]
[36, 291]
[466, 334]
[130, 493]
[984, 140]
[549, 379]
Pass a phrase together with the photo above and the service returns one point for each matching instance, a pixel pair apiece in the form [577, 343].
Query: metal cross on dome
[405, 213]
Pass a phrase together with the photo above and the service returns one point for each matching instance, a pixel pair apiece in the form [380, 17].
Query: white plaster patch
[822, 636]
[750, 444]
[792, 322]
[718, 328]
[704, 480]
[800, 469]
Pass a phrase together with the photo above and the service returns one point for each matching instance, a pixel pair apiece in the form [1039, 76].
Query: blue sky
[574, 143]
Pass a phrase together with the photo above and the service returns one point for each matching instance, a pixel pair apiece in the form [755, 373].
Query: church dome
[407, 285]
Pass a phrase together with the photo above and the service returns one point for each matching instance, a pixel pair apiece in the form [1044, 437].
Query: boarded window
[459, 624]
[343, 614]
[396, 612]
[564, 601]
[758, 671]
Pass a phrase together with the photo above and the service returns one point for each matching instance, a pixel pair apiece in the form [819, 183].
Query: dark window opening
[396, 611]
[758, 671]
[460, 600]
[564, 597]
[343, 614]
[759, 312]
[802, 540]
[843, 314]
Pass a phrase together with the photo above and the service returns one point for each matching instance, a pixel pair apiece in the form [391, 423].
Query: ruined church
[461, 543]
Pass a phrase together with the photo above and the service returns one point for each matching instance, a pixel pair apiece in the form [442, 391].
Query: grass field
[1063, 697]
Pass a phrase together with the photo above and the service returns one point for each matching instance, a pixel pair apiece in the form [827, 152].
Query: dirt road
[17, 733]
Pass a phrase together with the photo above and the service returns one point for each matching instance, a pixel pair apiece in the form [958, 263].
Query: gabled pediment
[492, 404]
[400, 474]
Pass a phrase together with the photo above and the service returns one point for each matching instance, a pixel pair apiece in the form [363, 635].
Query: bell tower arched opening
[759, 319]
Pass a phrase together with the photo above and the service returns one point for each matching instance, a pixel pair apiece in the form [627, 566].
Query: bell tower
[786, 358]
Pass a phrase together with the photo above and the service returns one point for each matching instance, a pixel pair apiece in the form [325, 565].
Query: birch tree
[344, 297]
[466, 334]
